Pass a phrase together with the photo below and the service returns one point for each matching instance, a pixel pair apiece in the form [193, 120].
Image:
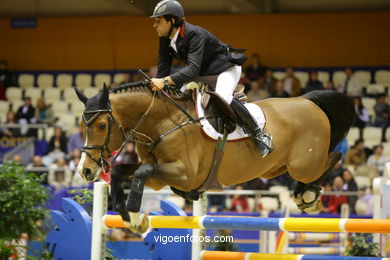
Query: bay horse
[305, 131]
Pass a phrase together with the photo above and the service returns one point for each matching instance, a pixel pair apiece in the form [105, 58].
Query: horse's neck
[129, 108]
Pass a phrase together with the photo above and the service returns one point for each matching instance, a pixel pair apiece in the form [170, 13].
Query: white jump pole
[100, 198]
[345, 212]
[199, 209]
[263, 240]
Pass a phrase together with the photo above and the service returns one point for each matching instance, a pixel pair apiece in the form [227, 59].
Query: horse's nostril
[87, 172]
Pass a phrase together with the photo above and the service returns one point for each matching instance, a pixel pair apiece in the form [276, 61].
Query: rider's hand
[157, 84]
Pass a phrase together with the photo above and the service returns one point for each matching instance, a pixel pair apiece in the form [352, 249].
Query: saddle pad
[238, 133]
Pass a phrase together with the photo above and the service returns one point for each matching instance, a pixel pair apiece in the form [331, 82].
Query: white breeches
[227, 82]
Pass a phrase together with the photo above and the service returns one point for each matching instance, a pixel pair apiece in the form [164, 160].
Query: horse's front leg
[166, 172]
[121, 172]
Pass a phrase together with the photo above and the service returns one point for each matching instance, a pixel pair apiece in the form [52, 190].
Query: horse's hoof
[144, 225]
[139, 225]
[316, 208]
[309, 197]
[297, 198]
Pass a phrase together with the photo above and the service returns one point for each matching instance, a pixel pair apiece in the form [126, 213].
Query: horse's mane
[144, 86]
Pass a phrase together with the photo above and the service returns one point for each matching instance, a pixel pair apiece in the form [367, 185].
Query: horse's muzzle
[89, 174]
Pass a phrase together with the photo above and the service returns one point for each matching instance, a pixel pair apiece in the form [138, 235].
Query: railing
[33, 126]
[24, 149]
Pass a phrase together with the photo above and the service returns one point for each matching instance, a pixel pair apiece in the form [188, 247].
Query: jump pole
[270, 224]
[223, 255]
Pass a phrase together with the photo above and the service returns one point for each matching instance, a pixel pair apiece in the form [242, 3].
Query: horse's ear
[103, 100]
[80, 95]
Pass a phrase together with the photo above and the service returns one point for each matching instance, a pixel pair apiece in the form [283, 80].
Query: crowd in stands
[62, 155]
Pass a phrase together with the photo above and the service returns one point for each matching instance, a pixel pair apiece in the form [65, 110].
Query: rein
[132, 135]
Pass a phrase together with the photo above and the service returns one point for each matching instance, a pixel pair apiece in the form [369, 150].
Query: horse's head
[101, 132]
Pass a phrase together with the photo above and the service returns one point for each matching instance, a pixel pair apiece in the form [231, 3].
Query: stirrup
[263, 142]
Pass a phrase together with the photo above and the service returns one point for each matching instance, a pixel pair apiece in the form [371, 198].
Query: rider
[204, 55]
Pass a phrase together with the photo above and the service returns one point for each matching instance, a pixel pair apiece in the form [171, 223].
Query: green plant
[22, 200]
[360, 244]
[84, 197]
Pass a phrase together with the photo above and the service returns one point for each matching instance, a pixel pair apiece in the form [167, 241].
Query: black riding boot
[261, 138]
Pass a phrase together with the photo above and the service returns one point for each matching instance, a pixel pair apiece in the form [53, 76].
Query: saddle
[219, 114]
[223, 119]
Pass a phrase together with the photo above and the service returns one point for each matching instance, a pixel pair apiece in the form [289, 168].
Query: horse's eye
[102, 126]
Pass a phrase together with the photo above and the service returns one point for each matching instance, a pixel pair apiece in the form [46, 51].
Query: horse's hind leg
[306, 195]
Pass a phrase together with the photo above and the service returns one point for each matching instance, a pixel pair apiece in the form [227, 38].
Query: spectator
[268, 83]
[332, 204]
[382, 115]
[357, 155]
[26, 115]
[368, 199]
[291, 84]
[128, 155]
[44, 113]
[57, 147]
[17, 158]
[37, 167]
[59, 174]
[36, 162]
[58, 142]
[336, 171]
[279, 91]
[330, 86]
[255, 71]
[350, 185]
[377, 159]
[362, 117]
[11, 131]
[6, 79]
[314, 83]
[352, 85]
[240, 202]
[255, 93]
[75, 141]
[326, 199]
[216, 202]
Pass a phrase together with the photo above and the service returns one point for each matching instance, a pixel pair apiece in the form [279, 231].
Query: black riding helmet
[168, 7]
[171, 8]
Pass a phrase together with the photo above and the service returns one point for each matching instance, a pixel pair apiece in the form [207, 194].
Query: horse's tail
[340, 110]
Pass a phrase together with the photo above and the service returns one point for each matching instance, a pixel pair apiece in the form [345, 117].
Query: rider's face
[161, 26]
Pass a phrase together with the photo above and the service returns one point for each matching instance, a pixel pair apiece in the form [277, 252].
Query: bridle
[89, 117]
